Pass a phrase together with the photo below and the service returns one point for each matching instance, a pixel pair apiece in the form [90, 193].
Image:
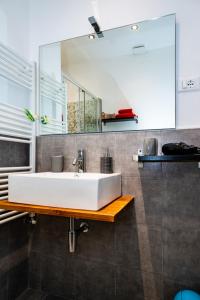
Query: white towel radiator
[14, 125]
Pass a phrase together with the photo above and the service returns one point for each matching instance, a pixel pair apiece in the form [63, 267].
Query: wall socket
[189, 84]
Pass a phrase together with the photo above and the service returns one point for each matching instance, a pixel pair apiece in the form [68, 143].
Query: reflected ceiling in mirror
[122, 81]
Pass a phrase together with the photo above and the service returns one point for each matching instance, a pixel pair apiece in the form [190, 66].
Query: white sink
[89, 191]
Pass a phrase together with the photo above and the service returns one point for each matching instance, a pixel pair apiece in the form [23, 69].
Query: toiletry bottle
[106, 163]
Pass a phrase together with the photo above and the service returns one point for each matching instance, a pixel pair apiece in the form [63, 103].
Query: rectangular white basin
[90, 191]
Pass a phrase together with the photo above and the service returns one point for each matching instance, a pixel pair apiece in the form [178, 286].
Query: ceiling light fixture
[91, 36]
[96, 27]
[135, 27]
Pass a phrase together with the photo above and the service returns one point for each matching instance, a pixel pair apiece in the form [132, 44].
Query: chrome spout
[80, 161]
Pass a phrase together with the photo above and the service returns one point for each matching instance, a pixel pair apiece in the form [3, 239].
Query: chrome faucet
[80, 161]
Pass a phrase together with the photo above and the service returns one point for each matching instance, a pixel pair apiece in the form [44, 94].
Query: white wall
[15, 33]
[50, 58]
[14, 28]
[53, 20]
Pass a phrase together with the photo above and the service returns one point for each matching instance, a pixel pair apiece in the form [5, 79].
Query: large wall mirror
[124, 80]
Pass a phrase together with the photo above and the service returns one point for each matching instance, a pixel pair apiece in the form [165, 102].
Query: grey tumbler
[57, 163]
[150, 146]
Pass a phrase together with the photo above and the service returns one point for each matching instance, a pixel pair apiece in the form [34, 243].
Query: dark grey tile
[150, 198]
[31, 294]
[181, 251]
[51, 224]
[13, 154]
[3, 280]
[97, 243]
[52, 297]
[129, 284]
[57, 277]
[127, 245]
[153, 198]
[139, 247]
[94, 280]
[4, 247]
[50, 233]
[131, 185]
[127, 144]
[70, 152]
[35, 270]
[3, 285]
[180, 221]
[17, 280]
[43, 241]
[127, 215]
[180, 169]
[18, 234]
[152, 286]
[151, 248]
[4, 294]
[182, 198]
[151, 171]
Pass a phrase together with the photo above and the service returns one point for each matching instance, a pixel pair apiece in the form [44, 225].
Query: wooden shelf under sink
[107, 213]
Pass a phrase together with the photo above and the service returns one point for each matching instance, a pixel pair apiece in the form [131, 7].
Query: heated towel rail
[14, 125]
[52, 95]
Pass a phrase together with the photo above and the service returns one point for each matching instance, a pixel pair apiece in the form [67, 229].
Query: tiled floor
[31, 294]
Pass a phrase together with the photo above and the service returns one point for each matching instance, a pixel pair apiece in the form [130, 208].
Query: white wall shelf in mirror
[128, 74]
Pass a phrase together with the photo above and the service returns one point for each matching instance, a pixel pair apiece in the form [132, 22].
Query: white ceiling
[154, 34]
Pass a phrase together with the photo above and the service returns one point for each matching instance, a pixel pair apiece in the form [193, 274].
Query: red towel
[125, 111]
[126, 115]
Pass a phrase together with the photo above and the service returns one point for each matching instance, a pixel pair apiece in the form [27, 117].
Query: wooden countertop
[107, 213]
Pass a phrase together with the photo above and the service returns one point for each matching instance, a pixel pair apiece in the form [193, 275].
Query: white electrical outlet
[189, 84]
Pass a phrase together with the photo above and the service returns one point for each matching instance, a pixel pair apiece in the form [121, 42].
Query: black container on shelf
[106, 165]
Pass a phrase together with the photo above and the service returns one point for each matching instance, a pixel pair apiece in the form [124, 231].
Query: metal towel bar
[14, 125]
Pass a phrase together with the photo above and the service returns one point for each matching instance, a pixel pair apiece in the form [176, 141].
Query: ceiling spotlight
[91, 36]
[135, 27]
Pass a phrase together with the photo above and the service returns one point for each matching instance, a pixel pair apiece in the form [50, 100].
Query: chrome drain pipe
[72, 235]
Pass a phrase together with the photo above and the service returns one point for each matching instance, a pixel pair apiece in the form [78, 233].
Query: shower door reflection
[83, 109]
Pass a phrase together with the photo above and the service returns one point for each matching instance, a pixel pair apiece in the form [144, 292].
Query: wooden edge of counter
[107, 213]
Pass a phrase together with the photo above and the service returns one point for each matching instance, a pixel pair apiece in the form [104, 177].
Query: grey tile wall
[150, 253]
[14, 236]
[13, 154]
[14, 239]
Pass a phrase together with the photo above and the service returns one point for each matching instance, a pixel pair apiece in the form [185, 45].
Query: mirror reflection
[124, 80]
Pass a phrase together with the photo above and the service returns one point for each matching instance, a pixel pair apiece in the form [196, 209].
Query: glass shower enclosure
[83, 109]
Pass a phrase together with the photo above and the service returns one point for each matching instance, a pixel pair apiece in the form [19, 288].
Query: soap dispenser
[106, 163]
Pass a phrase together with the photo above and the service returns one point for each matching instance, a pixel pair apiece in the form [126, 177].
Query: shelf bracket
[140, 164]
[31, 218]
